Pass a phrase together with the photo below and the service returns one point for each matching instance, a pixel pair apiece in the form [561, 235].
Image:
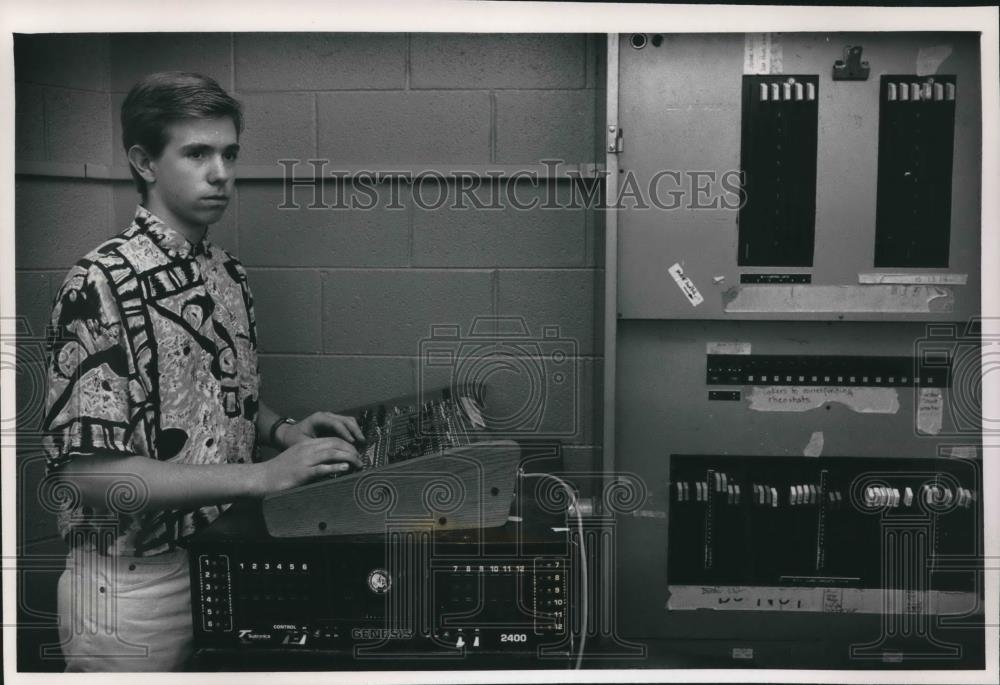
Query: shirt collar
[170, 240]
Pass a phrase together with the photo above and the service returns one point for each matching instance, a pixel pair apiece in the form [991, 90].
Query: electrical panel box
[915, 151]
[854, 205]
[798, 309]
[778, 163]
[685, 409]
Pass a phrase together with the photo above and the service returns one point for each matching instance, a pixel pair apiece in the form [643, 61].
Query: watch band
[272, 435]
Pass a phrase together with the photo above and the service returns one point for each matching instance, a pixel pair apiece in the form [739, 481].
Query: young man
[153, 403]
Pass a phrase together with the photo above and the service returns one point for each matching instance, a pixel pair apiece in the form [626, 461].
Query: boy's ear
[142, 163]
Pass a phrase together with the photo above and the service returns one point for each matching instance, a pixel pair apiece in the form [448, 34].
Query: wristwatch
[272, 436]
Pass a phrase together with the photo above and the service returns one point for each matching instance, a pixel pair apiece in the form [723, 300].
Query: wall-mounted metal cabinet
[793, 271]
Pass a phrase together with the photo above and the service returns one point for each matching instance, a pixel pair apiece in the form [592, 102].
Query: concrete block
[575, 465]
[502, 235]
[68, 60]
[260, 140]
[40, 564]
[288, 310]
[118, 157]
[126, 198]
[392, 311]
[596, 236]
[33, 298]
[535, 125]
[31, 389]
[562, 409]
[582, 459]
[78, 126]
[277, 127]
[35, 521]
[533, 396]
[135, 55]
[42, 550]
[568, 300]
[29, 122]
[583, 469]
[223, 234]
[404, 127]
[597, 65]
[319, 61]
[443, 60]
[600, 123]
[300, 385]
[58, 221]
[270, 236]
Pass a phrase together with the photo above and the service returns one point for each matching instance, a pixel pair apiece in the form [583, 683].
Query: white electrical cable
[583, 558]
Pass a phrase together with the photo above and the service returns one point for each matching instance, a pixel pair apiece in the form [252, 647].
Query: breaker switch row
[790, 90]
[916, 92]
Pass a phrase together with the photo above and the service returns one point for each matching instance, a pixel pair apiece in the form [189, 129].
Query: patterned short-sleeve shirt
[152, 352]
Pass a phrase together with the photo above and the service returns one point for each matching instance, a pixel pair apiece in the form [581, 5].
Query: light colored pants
[125, 613]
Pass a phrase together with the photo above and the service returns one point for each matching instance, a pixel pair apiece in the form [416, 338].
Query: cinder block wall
[344, 296]
[63, 122]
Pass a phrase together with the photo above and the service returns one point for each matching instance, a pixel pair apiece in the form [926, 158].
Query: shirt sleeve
[87, 408]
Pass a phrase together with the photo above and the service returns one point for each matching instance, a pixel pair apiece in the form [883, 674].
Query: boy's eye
[231, 156]
[195, 154]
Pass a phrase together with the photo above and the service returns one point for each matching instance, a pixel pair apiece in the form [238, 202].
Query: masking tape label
[686, 285]
[649, 514]
[799, 398]
[815, 446]
[913, 279]
[929, 59]
[930, 411]
[727, 348]
[827, 600]
[882, 299]
[762, 53]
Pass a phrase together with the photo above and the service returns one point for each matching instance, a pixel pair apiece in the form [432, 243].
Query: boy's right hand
[305, 462]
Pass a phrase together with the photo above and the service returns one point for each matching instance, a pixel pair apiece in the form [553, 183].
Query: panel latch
[615, 142]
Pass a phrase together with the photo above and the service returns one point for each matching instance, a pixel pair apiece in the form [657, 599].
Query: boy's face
[194, 175]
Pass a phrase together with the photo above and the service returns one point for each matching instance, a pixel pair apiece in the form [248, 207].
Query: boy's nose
[218, 171]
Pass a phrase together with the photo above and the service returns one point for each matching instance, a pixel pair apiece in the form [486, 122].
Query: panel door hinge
[615, 141]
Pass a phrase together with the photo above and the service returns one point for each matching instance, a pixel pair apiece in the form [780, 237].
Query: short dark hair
[166, 97]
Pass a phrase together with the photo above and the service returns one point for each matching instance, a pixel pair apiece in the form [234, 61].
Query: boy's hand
[322, 423]
[304, 462]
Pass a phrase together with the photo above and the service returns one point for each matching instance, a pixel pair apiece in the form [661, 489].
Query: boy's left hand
[321, 424]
